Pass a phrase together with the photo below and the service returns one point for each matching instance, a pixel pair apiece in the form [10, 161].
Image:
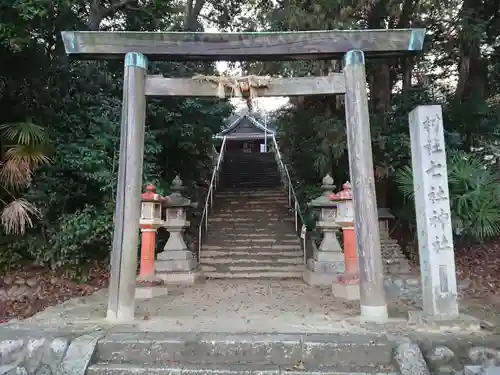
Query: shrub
[474, 195]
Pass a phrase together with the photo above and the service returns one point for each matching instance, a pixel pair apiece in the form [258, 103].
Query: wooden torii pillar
[135, 48]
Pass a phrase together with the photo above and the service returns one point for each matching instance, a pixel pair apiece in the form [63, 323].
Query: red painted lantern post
[150, 221]
[347, 285]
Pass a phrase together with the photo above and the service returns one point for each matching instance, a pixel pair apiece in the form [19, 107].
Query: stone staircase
[242, 170]
[247, 354]
[251, 230]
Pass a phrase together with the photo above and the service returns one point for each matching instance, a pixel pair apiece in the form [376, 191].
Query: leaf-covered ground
[30, 290]
[25, 292]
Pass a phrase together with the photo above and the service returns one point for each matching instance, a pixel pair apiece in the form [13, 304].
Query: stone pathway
[235, 306]
[221, 306]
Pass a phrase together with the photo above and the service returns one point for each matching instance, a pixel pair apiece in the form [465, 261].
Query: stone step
[249, 246]
[222, 252]
[260, 174]
[287, 225]
[262, 233]
[253, 193]
[242, 210]
[251, 182]
[250, 243]
[275, 227]
[269, 231]
[254, 275]
[168, 368]
[261, 215]
[275, 259]
[147, 353]
[266, 203]
[221, 245]
[285, 232]
[257, 198]
[245, 210]
[259, 348]
[252, 232]
[250, 267]
[242, 240]
[250, 220]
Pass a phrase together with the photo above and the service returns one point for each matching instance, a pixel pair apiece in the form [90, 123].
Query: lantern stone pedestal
[346, 286]
[400, 281]
[176, 264]
[148, 284]
[328, 260]
[394, 261]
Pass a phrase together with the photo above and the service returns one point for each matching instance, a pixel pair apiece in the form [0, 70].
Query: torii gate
[137, 47]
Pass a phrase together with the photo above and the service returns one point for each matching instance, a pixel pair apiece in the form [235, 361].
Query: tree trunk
[472, 69]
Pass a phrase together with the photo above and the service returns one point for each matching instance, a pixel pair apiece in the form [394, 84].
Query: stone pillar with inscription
[328, 260]
[432, 206]
[176, 263]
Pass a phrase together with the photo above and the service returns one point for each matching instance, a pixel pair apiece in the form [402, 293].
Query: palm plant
[474, 189]
[23, 153]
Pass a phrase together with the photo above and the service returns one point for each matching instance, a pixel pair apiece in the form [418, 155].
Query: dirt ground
[30, 290]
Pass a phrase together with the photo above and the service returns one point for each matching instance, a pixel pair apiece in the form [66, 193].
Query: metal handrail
[292, 196]
[209, 201]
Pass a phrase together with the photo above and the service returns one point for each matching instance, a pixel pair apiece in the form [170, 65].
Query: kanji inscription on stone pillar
[432, 206]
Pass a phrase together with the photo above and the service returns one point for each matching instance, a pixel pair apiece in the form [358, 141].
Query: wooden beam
[183, 46]
[332, 84]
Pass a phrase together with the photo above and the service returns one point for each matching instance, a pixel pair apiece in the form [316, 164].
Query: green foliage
[77, 109]
[474, 188]
[75, 238]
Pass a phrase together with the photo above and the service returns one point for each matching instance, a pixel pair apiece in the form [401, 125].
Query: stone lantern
[343, 198]
[176, 263]
[151, 208]
[328, 260]
[384, 216]
[347, 284]
[394, 261]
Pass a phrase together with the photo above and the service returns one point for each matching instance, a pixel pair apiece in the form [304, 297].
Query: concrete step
[163, 369]
[164, 348]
